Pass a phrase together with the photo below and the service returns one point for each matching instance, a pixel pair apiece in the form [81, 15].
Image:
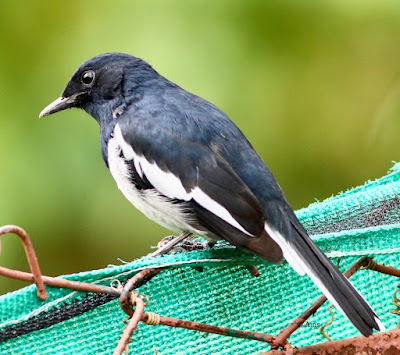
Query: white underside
[155, 206]
[155, 203]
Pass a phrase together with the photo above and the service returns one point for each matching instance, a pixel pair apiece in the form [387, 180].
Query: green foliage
[314, 86]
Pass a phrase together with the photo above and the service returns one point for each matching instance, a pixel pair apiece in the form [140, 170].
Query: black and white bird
[183, 163]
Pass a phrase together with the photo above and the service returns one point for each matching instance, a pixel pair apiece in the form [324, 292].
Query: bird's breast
[173, 215]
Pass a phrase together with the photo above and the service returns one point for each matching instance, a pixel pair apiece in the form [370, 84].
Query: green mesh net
[362, 221]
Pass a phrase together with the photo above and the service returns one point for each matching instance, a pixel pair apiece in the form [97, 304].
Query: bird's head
[97, 86]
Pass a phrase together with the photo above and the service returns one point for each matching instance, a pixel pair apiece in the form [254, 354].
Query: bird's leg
[186, 243]
[168, 243]
[191, 244]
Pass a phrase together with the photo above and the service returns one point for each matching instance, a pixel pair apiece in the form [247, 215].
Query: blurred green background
[314, 85]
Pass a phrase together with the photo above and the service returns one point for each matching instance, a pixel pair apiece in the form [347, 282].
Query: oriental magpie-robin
[183, 163]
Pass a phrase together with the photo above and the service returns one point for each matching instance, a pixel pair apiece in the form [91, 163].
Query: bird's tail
[305, 257]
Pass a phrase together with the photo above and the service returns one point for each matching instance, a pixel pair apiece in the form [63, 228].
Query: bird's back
[191, 117]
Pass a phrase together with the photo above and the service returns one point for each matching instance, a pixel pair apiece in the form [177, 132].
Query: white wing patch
[208, 203]
[165, 182]
[170, 185]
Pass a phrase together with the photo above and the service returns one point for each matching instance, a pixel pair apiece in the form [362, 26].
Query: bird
[184, 164]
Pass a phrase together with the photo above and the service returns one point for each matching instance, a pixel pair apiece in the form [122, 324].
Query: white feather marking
[291, 257]
[127, 150]
[170, 185]
[138, 167]
[297, 263]
[165, 182]
[150, 202]
[380, 324]
[208, 203]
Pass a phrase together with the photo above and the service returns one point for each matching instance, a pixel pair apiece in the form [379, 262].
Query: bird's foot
[191, 244]
[169, 244]
[185, 242]
[165, 241]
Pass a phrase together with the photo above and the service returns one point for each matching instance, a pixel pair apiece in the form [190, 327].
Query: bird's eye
[87, 77]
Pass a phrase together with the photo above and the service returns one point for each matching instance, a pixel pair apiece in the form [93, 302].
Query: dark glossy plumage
[185, 164]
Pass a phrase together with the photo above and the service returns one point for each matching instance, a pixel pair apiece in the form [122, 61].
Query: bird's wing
[191, 172]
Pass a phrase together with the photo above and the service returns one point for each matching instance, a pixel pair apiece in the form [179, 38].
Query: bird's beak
[62, 103]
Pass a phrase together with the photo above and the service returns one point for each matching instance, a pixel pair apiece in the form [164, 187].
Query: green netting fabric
[362, 221]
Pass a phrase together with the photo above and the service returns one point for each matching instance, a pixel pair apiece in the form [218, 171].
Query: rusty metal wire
[36, 275]
[57, 282]
[125, 299]
[125, 294]
[133, 305]
[130, 328]
[300, 320]
[155, 319]
[371, 264]
[127, 303]
[207, 328]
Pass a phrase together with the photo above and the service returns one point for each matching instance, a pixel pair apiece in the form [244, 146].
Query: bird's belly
[155, 206]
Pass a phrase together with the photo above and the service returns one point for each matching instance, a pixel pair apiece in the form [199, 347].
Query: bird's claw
[181, 243]
[166, 240]
[192, 244]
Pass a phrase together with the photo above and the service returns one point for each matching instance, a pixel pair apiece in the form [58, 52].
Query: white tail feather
[297, 263]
